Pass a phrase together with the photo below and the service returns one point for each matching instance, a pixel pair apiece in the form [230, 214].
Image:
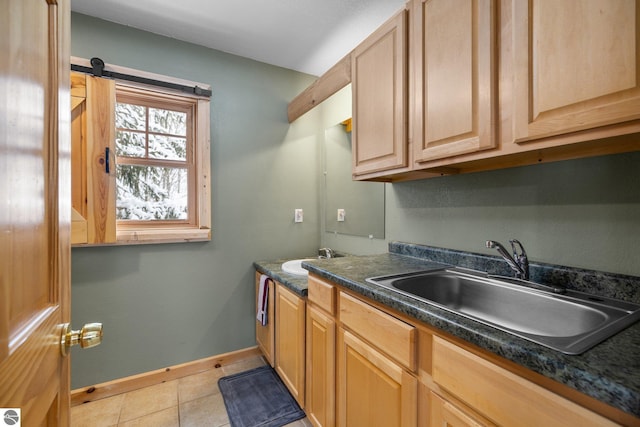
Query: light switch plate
[298, 215]
[341, 215]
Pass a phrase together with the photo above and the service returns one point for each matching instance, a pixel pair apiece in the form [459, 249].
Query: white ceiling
[303, 35]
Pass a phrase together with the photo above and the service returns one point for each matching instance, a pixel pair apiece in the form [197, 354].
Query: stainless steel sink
[567, 321]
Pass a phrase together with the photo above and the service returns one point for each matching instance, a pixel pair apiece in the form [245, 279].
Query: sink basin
[571, 322]
[295, 267]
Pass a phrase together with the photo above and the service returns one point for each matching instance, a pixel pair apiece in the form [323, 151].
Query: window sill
[159, 235]
[172, 235]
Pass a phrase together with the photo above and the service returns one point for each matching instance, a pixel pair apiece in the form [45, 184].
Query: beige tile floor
[192, 401]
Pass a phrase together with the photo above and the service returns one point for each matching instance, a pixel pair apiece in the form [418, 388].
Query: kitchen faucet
[326, 253]
[518, 262]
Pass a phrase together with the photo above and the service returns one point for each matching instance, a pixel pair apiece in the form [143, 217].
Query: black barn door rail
[97, 69]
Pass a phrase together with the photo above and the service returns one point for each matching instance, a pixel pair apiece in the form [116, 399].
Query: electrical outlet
[341, 215]
[297, 215]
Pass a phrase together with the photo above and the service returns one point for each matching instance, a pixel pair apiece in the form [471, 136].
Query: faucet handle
[518, 262]
[518, 252]
[520, 257]
[326, 253]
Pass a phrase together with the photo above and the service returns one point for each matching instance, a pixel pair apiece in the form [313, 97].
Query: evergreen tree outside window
[141, 160]
[154, 157]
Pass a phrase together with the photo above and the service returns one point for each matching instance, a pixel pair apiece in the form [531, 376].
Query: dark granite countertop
[273, 269]
[609, 372]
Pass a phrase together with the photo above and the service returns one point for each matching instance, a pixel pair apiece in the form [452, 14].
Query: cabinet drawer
[501, 395]
[322, 294]
[395, 337]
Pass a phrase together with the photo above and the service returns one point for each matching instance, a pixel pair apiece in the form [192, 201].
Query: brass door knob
[89, 336]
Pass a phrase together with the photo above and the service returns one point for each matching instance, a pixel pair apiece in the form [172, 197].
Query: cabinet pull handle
[107, 166]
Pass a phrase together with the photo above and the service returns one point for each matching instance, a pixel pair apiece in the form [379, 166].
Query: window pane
[130, 144]
[151, 193]
[167, 147]
[130, 116]
[167, 121]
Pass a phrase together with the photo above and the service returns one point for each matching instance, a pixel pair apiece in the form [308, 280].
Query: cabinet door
[445, 413]
[378, 75]
[321, 375]
[502, 396]
[265, 334]
[575, 64]
[290, 330]
[453, 68]
[373, 390]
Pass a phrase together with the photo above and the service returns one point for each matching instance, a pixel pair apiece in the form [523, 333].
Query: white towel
[263, 298]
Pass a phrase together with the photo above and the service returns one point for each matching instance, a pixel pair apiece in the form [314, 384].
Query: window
[155, 168]
[158, 190]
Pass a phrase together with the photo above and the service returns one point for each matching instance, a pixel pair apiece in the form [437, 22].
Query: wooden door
[36, 210]
[453, 64]
[372, 389]
[379, 91]
[576, 65]
[290, 329]
[321, 372]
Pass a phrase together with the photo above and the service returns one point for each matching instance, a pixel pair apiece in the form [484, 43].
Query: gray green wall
[163, 305]
[167, 304]
[581, 213]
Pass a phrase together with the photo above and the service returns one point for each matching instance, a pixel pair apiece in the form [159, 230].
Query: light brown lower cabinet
[290, 341]
[376, 361]
[321, 368]
[350, 363]
[373, 390]
[391, 370]
[321, 353]
[445, 413]
[502, 396]
[265, 334]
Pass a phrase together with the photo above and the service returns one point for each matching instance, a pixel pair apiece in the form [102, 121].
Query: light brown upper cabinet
[448, 65]
[379, 87]
[453, 75]
[576, 65]
[489, 84]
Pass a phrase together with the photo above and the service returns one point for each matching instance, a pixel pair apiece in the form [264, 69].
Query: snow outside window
[158, 184]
